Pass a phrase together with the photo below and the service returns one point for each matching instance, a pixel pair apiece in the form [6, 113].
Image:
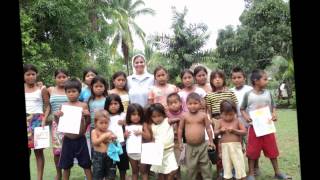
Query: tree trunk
[93, 16]
[125, 51]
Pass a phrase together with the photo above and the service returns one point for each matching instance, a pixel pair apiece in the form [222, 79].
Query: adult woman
[140, 82]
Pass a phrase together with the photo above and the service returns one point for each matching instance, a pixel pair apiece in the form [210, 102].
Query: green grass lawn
[287, 138]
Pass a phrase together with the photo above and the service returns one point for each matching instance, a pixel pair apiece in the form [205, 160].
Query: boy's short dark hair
[73, 83]
[174, 94]
[194, 96]
[256, 75]
[238, 70]
[228, 105]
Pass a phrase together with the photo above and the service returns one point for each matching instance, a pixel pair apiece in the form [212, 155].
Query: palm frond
[145, 11]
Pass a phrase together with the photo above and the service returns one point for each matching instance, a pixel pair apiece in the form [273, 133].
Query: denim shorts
[102, 166]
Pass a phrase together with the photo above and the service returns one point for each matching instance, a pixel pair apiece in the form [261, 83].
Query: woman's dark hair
[227, 106]
[58, 71]
[113, 97]
[134, 107]
[28, 67]
[256, 75]
[117, 74]
[215, 73]
[156, 107]
[86, 71]
[198, 69]
[101, 80]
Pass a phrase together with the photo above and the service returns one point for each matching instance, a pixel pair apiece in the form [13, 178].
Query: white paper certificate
[152, 153]
[261, 121]
[71, 119]
[133, 142]
[41, 137]
[116, 128]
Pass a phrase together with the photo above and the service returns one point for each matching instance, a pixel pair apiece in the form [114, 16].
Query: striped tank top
[56, 100]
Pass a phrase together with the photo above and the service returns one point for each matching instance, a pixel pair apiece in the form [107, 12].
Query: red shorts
[267, 143]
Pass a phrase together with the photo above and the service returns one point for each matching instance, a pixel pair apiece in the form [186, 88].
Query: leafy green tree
[123, 13]
[264, 33]
[183, 48]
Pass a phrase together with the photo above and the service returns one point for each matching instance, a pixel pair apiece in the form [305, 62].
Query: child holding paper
[75, 145]
[117, 121]
[174, 115]
[135, 117]
[102, 164]
[238, 78]
[162, 133]
[37, 111]
[257, 98]
[194, 123]
[231, 130]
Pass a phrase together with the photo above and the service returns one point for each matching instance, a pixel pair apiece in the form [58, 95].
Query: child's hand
[274, 116]
[85, 112]
[58, 114]
[126, 134]
[113, 137]
[223, 130]
[121, 122]
[230, 130]
[249, 120]
[43, 123]
[211, 145]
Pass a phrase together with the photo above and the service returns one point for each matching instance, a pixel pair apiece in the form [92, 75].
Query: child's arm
[173, 120]
[208, 106]
[245, 115]
[86, 114]
[96, 140]
[122, 121]
[180, 131]
[45, 97]
[218, 130]
[209, 131]
[241, 131]
[146, 132]
[274, 114]
[243, 107]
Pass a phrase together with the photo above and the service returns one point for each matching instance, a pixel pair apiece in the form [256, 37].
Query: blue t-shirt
[95, 105]
[85, 94]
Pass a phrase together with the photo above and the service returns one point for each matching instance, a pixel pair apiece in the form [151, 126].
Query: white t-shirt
[139, 87]
[184, 94]
[240, 94]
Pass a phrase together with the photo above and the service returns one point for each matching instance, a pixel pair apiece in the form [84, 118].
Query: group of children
[180, 119]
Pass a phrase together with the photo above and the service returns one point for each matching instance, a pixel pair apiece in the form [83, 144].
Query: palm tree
[123, 14]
